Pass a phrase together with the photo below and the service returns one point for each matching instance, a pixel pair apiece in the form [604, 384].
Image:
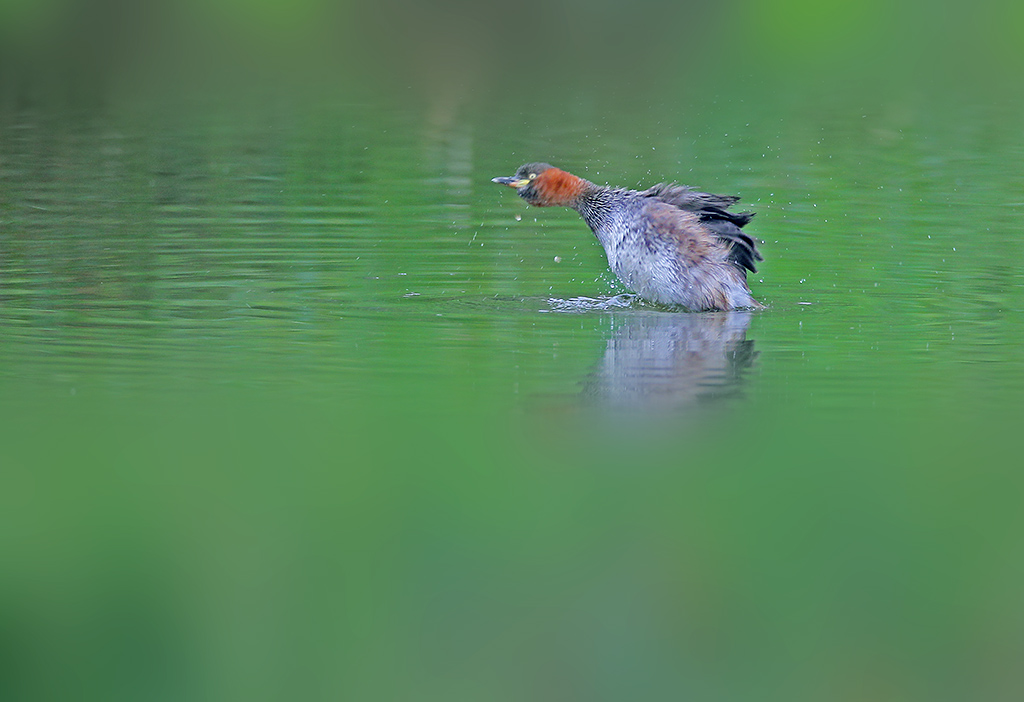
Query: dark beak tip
[502, 180]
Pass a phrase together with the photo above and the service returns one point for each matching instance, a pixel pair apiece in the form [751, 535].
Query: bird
[670, 244]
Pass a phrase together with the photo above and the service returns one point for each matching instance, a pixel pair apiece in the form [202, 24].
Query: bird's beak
[511, 182]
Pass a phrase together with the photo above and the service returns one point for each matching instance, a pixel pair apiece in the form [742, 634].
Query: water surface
[301, 404]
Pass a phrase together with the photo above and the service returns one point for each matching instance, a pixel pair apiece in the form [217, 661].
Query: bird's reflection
[665, 361]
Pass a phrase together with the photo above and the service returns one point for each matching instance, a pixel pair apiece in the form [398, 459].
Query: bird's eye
[532, 176]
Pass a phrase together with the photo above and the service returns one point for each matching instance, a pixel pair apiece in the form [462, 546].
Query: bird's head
[543, 185]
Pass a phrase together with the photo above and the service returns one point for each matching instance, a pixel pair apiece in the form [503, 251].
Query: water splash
[591, 304]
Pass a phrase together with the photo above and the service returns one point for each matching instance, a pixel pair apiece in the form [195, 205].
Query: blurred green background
[296, 403]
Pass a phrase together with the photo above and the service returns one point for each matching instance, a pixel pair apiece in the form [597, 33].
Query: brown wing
[683, 231]
[713, 212]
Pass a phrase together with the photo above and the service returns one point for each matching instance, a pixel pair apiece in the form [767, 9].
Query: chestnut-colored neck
[560, 188]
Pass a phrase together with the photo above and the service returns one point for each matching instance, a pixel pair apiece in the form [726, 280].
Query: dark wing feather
[713, 211]
[686, 198]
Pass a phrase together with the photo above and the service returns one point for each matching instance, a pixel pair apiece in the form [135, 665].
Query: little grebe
[669, 244]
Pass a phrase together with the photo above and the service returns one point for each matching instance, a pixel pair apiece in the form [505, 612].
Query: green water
[298, 405]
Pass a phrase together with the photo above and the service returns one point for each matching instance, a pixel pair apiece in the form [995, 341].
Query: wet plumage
[670, 244]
